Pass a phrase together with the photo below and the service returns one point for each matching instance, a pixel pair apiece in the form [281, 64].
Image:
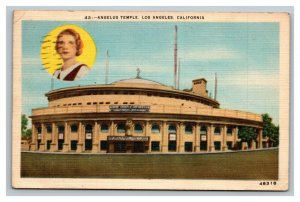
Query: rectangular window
[88, 103]
[172, 145]
[229, 145]
[217, 145]
[74, 145]
[203, 146]
[48, 144]
[103, 145]
[60, 144]
[155, 146]
[188, 146]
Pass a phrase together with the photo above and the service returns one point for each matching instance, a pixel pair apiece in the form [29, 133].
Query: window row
[138, 128]
[95, 103]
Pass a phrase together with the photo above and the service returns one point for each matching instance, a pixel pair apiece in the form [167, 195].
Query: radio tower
[216, 86]
[175, 58]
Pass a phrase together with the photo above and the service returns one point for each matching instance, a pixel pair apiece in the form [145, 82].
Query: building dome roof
[137, 81]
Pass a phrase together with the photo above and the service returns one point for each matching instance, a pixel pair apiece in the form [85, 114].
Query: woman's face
[66, 47]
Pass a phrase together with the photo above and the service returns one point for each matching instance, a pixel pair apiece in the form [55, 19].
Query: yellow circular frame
[51, 59]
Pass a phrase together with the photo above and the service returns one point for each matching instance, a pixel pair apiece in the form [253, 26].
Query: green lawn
[259, 165]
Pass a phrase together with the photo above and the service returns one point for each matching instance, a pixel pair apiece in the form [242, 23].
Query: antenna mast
[106, 67]
[178, 74]
[175, 57]
[216, 86]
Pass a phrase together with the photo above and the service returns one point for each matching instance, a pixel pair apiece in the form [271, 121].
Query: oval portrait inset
[68, 52]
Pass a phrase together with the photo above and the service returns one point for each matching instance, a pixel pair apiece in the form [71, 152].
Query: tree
[24, 124]
[26, 133]
[247, 134]
[270, 130]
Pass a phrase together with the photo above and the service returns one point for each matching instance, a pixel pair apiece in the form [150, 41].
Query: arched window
[49, 129]
[39, 129]
[138, 128]
[155, 128]
[61, 129]
[203, 130]
[121, 128]
[172, 128]
[74, 128]
[217, 131]
[188, 129]
[88, 128]
[104, 128]
[229, 131]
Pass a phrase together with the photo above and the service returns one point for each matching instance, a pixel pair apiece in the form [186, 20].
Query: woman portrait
[69, 45]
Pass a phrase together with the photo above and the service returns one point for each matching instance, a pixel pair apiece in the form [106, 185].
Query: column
[180, 133]
[147, 127]
[80, 138]
[197, 138]
[54, 141]
[147, 134]
[260, 138]
[112, 128]
[43, 140]
[66, 145]
[95, 138]
[211, 138]
[33, 144]
[224, 139]
[235, 137]
[165, 137]
[208, 137]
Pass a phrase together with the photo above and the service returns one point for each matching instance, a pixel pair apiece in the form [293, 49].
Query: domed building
[138, 116]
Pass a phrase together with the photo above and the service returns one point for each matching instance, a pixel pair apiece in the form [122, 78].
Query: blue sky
[245, 57]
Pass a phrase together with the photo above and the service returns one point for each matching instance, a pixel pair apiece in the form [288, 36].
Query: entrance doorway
[138, 147]
[119, 147]
[127, 144]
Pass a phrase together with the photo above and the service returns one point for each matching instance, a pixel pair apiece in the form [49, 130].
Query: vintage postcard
[151, 100]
